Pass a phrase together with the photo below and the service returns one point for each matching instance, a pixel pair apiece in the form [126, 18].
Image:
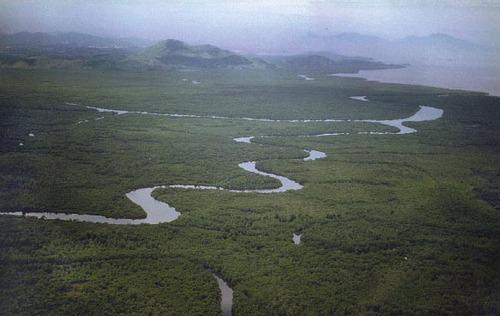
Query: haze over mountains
[430, 32]
[331, 53]
[46, 40]
[75, 50]
[434, 49]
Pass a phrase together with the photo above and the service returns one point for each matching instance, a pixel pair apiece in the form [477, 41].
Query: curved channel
[425, 113]
[160, 212]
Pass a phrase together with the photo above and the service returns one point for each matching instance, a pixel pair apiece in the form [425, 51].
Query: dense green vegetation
[391, 224]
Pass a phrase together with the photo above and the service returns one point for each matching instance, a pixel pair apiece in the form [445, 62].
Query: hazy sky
[236, 23]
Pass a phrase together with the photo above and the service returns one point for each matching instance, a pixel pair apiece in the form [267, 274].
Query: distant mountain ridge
[75, 50]
[72, 39]
[439, 39]
[431, 39]
[431, 49]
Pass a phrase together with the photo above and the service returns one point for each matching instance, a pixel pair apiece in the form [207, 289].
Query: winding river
[161, 212]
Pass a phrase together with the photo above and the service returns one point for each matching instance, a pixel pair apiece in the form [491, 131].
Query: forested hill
[175, 53]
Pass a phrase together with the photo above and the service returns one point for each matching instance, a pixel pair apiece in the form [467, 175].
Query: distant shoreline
[467, 78]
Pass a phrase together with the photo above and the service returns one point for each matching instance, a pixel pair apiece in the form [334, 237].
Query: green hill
[323, 64]
[175, 53]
